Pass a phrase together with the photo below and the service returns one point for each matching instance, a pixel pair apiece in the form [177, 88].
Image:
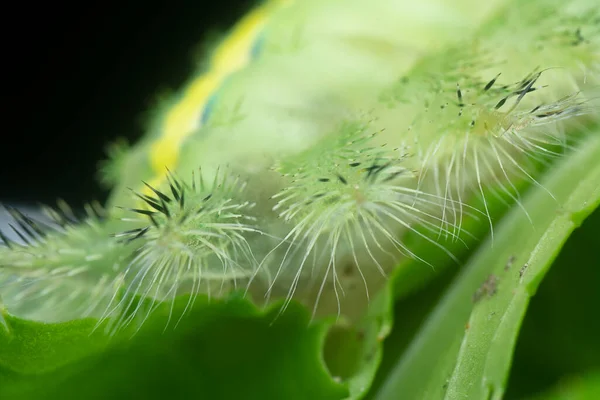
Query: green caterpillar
[296, 164]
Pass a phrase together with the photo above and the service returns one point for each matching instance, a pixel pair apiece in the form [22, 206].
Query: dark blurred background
[79, 77]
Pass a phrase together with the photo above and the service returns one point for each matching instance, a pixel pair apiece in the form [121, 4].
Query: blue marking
[255, 50]
[257, 45]
[209, 107]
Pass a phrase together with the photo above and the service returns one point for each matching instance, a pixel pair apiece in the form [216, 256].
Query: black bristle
[182, 199]
[459, 95]
[22, 223]
[535, 109]
[131, 235]
[151, 202]
[165, 208]
[158, 193]
[371, 169]
[5, 240]
[23, 238]
[549, 114]
[171, 177]
[178, 184]
[140, 211]
[490, 83]
[501, 103]
[31, 223]
[126, 233]
[528, 88]
[184, 215]
[175, 191]
[151, 217]
[393, 176]
[141, 232]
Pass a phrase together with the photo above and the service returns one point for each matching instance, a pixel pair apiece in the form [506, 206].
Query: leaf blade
[462, 368]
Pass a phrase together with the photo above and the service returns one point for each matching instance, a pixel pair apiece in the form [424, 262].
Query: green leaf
[559, 337]
[221, 350]
[585, 387]
[464, 350]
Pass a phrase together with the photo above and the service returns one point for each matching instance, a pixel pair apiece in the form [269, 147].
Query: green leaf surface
[559, 337]
[586, 387]
[464, 349]
[222, 350]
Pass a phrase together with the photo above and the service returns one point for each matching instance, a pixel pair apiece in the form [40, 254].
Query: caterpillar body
[294, 167]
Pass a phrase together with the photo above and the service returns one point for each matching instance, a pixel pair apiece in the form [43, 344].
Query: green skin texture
[282, 109]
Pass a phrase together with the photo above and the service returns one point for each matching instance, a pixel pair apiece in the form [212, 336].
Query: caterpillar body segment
[344, 204]
[194, 238]
[62, 267]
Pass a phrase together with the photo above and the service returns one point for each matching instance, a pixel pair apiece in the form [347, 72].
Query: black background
[78, 78]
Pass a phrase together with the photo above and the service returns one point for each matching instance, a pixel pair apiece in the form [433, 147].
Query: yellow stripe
[184, 117]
